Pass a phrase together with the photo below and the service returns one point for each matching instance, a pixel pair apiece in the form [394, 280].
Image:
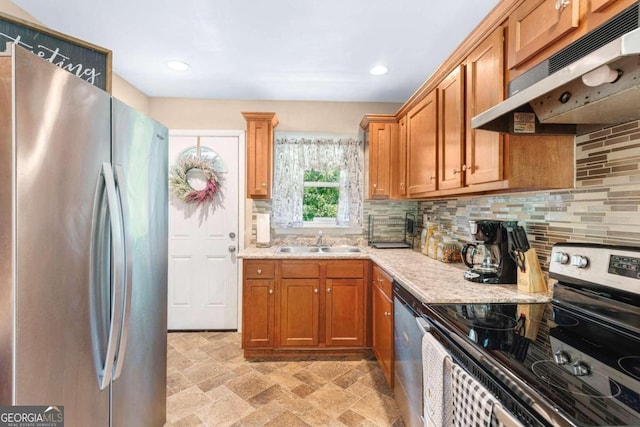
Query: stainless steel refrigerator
[83, 249]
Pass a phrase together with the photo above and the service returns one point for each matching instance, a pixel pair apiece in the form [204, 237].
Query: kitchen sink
[341, 249]
[307, 249]
[298, 249]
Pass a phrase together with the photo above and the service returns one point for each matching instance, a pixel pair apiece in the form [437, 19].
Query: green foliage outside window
[321, 194]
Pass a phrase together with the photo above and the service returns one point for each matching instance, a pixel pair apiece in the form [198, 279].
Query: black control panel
[624, 266]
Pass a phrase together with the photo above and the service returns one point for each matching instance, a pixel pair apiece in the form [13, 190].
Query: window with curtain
[317, 181]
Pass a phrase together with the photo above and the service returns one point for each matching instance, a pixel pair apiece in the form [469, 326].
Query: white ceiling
[277, 49]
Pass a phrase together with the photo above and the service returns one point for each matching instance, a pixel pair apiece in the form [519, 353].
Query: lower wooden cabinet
[383, 322]
[258, 304]
[305, 305]
[299, 312]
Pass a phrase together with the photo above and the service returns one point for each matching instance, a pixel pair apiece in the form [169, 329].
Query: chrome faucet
[319, 240]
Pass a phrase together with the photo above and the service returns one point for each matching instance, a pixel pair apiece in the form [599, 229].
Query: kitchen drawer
[300, 270]
[259, 269]
[345, 269]
[382, 281]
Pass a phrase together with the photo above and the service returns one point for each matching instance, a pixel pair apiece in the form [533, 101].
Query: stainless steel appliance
[83, 249]
[408, 329]
[594, 80]
[572, 362]
[488, 257]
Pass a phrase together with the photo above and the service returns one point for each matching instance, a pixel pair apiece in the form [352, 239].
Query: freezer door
[62, 137]
[140, 150]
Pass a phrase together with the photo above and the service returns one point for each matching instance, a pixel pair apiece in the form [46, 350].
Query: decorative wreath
[179, 182]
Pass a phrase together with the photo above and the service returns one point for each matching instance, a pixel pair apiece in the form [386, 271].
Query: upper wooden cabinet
[422, 140]
[382, 136]
[541, 28]
[537, 23]
[451, 126]
[599, 5]
[260, 153]
[399, 162]
[484, 88]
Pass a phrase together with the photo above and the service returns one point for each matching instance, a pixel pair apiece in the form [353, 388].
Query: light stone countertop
[429, 280]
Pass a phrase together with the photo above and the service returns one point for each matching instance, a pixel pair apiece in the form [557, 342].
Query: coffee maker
[488, 256]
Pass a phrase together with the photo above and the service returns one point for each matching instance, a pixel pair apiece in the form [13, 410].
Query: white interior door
[203, 242]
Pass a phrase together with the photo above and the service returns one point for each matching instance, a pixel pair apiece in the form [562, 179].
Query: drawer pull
[259, 271]
[270, 291]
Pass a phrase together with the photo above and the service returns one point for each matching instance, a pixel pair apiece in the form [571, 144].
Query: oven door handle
[423, 325]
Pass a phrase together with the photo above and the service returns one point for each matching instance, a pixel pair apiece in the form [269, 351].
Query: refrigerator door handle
[117, 290]
[128, 272]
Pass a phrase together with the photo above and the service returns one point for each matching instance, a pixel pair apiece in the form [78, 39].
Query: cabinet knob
[328, 290]
[264, 184]
[562, 4]
[387, 313]
[375, 185]
[464, 168]
[315, 291]
[271, 291]
[259, 271]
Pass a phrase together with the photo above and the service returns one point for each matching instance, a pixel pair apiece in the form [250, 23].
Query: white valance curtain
[293, 156]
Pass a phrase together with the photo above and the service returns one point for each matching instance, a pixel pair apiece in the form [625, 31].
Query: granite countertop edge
[429, 280]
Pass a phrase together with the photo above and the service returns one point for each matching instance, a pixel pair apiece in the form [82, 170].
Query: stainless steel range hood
[562, 103]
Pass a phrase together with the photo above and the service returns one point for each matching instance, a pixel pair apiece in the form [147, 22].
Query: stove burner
[630, 365]
[556, 376]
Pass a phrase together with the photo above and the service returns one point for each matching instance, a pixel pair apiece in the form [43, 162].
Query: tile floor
[209, 383]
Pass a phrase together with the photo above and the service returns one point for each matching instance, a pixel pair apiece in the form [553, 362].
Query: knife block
[531, 280]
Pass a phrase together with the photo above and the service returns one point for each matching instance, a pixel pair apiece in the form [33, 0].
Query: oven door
[407, 345]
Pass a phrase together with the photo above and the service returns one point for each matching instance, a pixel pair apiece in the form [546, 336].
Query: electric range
[574, 361]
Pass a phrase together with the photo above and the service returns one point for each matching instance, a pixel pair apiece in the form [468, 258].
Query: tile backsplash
[602, 208]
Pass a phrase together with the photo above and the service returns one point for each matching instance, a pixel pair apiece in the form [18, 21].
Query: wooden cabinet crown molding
[496, 18]
[261, 116]
[377, 118]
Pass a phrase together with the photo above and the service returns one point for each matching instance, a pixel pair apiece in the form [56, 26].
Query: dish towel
[472, 402]
[503, 418]
[436, 381]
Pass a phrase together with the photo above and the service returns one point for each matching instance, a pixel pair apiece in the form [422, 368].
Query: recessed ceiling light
[378, 70]
[178, 65]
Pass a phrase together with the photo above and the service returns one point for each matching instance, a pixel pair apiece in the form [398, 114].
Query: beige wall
[129, 94]
[6, 6]
[302, 116]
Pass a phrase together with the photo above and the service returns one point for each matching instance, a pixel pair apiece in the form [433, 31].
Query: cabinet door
[422, 136]
[345, 312]
[383, 331]
[399, 162]
[258, 313]
[299, 312]
[451, 125]
[485, 88]
[259, 153]
[598, 5]
[536, 24]
[380, 140]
